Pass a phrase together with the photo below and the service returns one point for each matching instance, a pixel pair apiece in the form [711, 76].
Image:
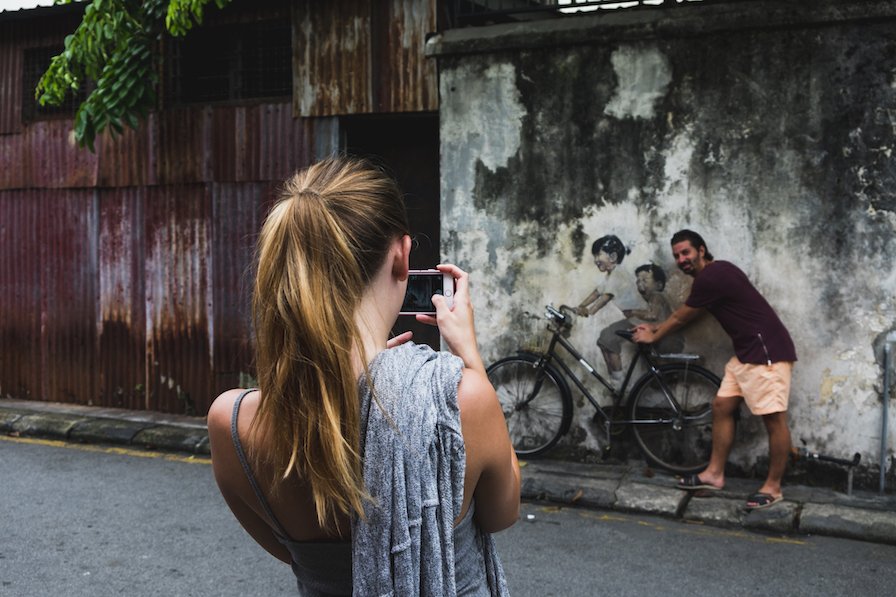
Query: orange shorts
[765, 388]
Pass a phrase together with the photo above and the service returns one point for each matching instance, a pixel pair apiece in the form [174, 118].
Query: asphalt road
[88, 520]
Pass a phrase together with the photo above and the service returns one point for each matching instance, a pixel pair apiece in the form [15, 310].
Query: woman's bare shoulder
[221, 410]
[474, 391]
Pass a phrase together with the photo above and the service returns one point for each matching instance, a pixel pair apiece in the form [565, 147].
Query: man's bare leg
[778, 451]
[723, 411]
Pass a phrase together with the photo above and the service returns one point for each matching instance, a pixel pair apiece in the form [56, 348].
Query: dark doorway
[407, 145]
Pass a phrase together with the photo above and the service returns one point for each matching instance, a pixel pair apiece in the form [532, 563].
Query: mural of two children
[650, 280]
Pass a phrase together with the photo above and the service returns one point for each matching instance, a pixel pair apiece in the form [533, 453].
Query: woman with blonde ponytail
[371, 466]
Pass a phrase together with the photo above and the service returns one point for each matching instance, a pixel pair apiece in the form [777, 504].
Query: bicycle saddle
[627, 334]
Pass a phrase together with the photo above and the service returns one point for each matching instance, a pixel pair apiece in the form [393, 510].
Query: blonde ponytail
[318, 250]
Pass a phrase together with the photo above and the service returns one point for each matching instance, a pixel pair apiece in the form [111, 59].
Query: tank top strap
[241, 454]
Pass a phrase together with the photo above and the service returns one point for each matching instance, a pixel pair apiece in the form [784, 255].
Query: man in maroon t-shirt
[759, 373]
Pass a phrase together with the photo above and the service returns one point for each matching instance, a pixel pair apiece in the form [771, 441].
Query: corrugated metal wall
[125, 275]
[361, 56]
[135, 294]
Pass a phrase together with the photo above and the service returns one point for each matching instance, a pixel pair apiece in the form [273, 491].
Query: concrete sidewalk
[632, 487]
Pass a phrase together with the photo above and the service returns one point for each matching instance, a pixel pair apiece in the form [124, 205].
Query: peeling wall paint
[775, 144]
[643, 75]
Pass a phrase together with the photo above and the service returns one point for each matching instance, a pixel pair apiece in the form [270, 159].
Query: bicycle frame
[550, 356]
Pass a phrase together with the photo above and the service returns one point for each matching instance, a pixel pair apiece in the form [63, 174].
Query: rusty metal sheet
[20, 316]
[331, 57]
[260, 142]
[403, 78]
[178, 294]
[359, 56]
[121, 320]
[53, 159]
[238, 213]
[128, 159]
[183, 137]
[12, 154]
[48, 281]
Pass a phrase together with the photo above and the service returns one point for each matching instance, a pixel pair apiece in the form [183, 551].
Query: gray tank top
[324, 568]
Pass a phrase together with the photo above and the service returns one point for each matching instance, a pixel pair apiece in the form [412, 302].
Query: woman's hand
[456, 323]
[399, 339]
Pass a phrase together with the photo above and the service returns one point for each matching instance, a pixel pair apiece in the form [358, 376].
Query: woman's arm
[492, 472]
[231, 478]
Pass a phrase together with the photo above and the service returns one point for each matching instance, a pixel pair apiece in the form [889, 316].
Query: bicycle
[669, 407]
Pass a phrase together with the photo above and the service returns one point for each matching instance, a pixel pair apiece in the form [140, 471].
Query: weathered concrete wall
[771, 132]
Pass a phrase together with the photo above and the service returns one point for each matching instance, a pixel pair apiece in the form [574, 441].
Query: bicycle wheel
[678, 440]
[536, 403]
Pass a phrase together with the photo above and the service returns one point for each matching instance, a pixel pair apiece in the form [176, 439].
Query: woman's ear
[401, 258]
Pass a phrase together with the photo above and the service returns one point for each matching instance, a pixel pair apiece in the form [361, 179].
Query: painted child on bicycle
[650, 279]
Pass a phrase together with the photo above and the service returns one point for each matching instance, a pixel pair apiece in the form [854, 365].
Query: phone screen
[421, 287]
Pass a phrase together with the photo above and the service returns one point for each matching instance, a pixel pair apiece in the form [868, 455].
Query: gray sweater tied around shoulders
[414, 458]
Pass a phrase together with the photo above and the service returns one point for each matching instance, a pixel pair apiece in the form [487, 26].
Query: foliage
[114, 47]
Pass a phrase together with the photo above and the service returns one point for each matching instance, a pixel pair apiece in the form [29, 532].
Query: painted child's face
[604, 261]
[645, 283]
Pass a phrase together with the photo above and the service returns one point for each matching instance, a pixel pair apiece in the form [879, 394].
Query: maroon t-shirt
[758, 334]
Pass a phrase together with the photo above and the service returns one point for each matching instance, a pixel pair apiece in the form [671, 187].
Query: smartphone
[422, 285]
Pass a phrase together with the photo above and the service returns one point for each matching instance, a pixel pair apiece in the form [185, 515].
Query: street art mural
[785, 166]
[649, 279]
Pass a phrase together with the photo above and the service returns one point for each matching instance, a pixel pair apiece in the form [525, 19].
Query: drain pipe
[891, 339]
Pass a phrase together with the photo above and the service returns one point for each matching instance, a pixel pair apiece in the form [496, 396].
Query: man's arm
[648, 334]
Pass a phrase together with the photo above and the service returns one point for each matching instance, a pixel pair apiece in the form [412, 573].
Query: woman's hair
[610, 244]
[319, 248]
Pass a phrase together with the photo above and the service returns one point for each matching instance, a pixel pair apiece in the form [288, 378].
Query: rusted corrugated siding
[259, 143]
[128, 159]
[360, 56]
[125, 275]
[122, 311]
[20, 293]
[48, 283]
[12, 151]
[331, 57]
[238, 210]
[178, 294]
[53, 159]
[183, 137]
[403, 79]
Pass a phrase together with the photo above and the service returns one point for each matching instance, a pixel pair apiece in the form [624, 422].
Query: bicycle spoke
[683, 442]
[535, 420]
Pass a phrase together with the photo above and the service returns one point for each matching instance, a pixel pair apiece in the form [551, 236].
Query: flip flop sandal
[693, 483]
[760, 501]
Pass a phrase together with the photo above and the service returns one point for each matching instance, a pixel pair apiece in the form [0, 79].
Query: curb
[638, 489]
[631, 487]
[189, 437]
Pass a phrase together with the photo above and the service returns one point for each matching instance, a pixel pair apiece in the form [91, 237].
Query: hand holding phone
[454, 317]
[422, 285]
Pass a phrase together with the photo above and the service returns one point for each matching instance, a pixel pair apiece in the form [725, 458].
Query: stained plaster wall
[774, 139]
